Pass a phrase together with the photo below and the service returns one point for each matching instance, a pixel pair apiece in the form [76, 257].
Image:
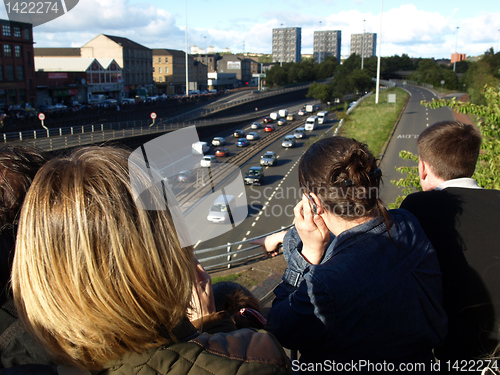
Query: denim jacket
[373, 296]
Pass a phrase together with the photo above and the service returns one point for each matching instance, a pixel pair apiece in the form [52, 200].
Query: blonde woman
[105, 286]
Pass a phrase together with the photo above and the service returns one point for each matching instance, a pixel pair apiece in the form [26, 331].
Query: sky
[423, 28]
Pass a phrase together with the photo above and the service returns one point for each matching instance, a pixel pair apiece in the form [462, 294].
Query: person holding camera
[363, 284]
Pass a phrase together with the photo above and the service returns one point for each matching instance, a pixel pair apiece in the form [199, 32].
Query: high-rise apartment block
[327, 43]
[286, 44]
[364, 45]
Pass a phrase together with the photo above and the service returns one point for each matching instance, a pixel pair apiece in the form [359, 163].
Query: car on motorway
[282, 121]
[300, 133]
[222, 151]
[242, 142]
[219, 212]
[269, 158]
[302, 112]
[267, 120]
[290, 117]
[255, 125]
[269, 128]
[218, 141]
[289, 141]
[208, 160]
[255, 176]
[252, 136]
[238, 133]
[185, 176]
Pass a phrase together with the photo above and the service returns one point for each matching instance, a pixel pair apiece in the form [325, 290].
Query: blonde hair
[95, 276]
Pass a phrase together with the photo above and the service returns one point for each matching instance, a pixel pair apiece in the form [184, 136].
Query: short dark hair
[451, 148]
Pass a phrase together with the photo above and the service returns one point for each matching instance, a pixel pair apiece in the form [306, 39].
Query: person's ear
[317, 202]
[423, 170]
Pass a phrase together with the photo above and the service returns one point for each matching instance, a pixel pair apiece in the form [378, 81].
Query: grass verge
[372, 123]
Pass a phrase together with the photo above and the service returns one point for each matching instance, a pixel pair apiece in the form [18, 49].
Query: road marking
[253, 224]
[239, 246]
[197, 243]
[247, 233]
[239, 196]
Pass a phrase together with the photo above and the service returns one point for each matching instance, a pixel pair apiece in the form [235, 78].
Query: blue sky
[422, 28]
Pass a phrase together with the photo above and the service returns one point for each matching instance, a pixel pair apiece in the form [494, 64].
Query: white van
[275, 116]
[283, 113]
[200, 148]
[222, 206]
[322, 117]
[311, 123]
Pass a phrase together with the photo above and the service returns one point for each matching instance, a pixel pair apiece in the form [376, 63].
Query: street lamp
[319, 46]
[456, 53]
[363, 46]
[187, 60]
[379, 53]
[282, 41]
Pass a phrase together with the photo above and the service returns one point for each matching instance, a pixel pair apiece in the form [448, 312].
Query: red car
[222, 151]
[269, 128]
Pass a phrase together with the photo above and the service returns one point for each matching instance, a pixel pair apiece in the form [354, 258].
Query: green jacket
[244, 351]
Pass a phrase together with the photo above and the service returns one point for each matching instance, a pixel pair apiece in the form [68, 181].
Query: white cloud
[406, 29]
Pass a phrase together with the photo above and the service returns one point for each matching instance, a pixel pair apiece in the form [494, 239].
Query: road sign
[153, 115]
[41, 116]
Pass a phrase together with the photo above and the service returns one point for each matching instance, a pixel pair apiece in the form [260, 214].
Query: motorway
[413, 121]
[270, 206]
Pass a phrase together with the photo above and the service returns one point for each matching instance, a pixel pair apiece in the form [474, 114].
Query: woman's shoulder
[244, 351]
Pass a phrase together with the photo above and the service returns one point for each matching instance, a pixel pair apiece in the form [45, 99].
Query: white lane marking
[197, 243]
[239, 196]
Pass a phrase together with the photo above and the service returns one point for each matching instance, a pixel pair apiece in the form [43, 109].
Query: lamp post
[319, 46]
[187, 60]
[377, 90]
[456, 53]
[282, 41]
[363, 46]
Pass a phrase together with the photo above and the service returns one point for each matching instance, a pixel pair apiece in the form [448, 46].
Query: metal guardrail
[229, 256]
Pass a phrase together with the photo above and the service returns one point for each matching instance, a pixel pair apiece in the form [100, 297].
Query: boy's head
[449, 149]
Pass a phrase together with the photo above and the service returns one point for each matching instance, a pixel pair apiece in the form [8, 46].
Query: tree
[321, 92]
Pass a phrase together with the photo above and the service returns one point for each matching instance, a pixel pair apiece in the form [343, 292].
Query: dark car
[243, 142]
[267, 120]
[269, 128]
[222, 151]
[185, 176]
[239, 134]
[269, 158]
[254, 176]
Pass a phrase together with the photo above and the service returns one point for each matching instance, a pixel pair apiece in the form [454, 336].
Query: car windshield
[254, 172]
[207, 158]
[219, 207]
[184, 173]
[289, 138]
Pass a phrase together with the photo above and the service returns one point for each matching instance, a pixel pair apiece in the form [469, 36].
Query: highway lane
[413, 121]
[270, 206]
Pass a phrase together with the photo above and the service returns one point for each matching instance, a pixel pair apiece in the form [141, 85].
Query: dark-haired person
[363, 284]
[18, 167]
[462, 222]
[240, 303]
